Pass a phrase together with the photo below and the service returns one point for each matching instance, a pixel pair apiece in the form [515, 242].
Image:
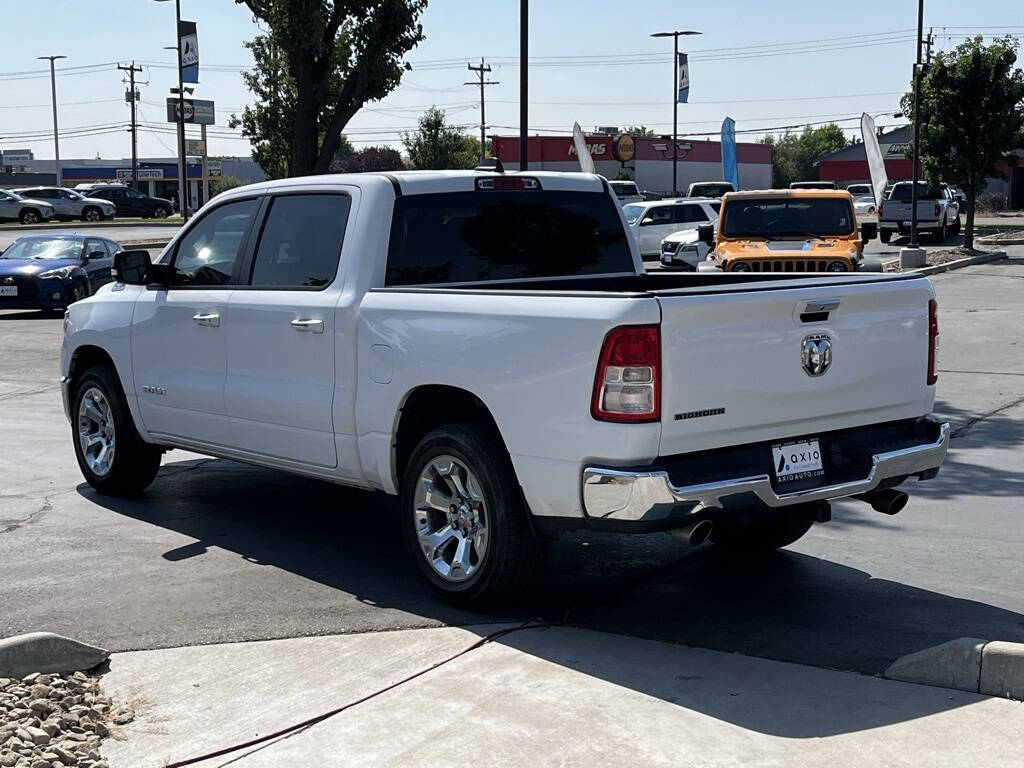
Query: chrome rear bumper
[613, 494]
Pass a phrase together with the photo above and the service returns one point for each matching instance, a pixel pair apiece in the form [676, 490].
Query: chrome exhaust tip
[888, 501]
[693, 534]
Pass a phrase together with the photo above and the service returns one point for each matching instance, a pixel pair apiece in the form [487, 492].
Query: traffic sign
[198, 111]
[195, 147]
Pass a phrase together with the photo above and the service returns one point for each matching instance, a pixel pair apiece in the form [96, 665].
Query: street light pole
[53, 95]
[675, 100]
[524, 65]
[182, 180]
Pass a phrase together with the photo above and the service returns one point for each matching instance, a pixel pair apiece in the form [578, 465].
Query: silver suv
[14, 207]
[69, 204]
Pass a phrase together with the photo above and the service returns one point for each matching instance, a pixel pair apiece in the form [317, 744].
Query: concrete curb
[46, 652]
[91, 224]
[960, 263]
[145, 244]
[1001, 241]
[993, 668]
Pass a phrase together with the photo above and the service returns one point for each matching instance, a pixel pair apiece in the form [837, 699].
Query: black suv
[129, 201]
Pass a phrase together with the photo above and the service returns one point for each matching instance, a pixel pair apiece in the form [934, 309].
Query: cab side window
[661, 214]
[210, 252]
[300, 245]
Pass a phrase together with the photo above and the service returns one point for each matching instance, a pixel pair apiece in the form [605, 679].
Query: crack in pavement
[25, 393]
[964, 428]
[45, 507]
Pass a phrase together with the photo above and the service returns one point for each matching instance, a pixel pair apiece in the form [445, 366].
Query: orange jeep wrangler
[789, 230]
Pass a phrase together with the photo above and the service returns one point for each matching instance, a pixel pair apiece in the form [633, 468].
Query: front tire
[92, 214]
[113, 458]
[761, 535]
[30, 216]
[463, 517]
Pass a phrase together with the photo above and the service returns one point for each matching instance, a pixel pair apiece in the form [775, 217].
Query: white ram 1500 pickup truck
[488, 347]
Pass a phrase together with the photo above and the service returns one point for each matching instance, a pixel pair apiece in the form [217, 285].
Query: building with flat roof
[157, 177]
[650, 163]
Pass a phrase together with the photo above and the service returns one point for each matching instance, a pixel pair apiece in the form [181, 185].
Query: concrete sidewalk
[539, 697]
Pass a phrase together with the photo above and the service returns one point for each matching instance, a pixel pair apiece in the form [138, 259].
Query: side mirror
[868, 230]
[96, 255]
[706, 234]
[131, 267]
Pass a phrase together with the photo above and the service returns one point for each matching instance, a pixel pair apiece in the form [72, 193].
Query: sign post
[206, 172]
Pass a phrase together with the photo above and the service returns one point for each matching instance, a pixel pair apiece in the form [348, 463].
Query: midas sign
[596, 150]
[624, 148]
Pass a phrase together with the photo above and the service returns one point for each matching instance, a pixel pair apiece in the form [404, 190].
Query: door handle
[308, 325]
[212, 319]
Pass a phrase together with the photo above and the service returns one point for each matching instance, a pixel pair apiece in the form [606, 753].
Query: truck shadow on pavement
[787, 606]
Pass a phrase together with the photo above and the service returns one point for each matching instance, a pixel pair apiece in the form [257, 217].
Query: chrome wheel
[451, 518]
[30, 217]
[96, 431]
[93, 215]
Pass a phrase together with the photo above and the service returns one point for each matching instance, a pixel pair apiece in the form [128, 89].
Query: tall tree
[435, 145]
[794, 154]
[318, 64]
[370, 159]
[972, 117]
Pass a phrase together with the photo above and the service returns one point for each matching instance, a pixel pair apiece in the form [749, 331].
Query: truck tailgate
[732, 369]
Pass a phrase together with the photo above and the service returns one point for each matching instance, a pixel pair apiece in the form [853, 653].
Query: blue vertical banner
[684, 78]
[188, 40]
[730, 169]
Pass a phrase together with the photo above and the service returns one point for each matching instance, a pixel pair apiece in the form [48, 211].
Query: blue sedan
[51, 271]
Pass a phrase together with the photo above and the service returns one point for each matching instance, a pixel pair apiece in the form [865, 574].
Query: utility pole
[53, 94]
[917, 124]
[133, 96]
[483, 123]
[524, 65]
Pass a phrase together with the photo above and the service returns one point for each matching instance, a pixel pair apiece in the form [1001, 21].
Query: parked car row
[88, 202]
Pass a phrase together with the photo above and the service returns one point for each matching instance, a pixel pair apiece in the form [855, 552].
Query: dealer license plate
[8, 290]
[797, 461]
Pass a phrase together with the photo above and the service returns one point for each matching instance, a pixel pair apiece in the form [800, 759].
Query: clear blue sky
[738, 66]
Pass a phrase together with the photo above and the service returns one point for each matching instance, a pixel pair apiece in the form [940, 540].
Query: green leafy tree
[319, 62]
[224, 183]
[794, 154]
[972, 117]
[370, 159]
[638, 130]
[435, 145]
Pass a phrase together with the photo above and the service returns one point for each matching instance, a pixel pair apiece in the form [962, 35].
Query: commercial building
[849, 165]
[157, 177]
[649, 163]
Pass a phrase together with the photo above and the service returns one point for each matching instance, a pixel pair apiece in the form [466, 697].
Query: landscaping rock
[26, 656]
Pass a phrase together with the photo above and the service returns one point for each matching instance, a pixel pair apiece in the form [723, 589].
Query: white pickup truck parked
[938, 212]
[489, 348]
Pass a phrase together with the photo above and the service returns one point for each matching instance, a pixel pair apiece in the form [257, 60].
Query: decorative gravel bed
[936, 258]
[49, 721]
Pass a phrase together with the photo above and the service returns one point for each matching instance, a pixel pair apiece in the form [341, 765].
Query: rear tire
[885, 235]
[762, 535]
[463, 517]
[113, 458]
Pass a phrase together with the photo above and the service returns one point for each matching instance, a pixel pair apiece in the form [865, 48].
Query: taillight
[936, 210]
[627, 386]
[880, 206]
[933, 340]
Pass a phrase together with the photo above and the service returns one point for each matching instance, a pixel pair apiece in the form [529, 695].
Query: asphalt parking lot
[218, 551]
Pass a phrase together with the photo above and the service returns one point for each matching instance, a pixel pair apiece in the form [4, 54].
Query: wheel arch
[84, 358]
[427, 407]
